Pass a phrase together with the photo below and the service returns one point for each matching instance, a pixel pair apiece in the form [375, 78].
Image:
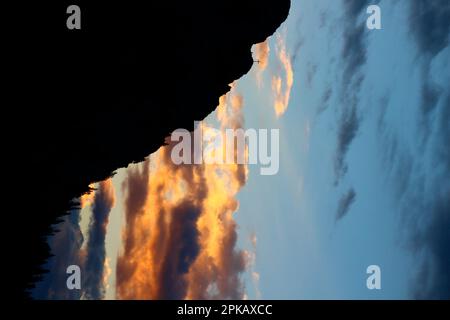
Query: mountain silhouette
[87, 102]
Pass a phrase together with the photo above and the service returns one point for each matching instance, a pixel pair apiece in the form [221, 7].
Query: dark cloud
[426, 185]
[345, 203]
[421, 175]
[430, 97]
[327, 95]
[353, 58]
[353, 50]
[420, 170]
[347, 129]
[325, 100]
[443, 127]
[93, 286]
[296, 48]
[354, 7]
[310, 73]
[433, 280]
[433, 240]
[65, 247]
[430, 24]
[182, 249]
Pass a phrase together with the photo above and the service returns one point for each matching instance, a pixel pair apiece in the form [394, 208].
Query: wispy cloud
[261, 54]
[255, 276]
[353, 58]
[347, 129]
[345, 203]
[283, 78]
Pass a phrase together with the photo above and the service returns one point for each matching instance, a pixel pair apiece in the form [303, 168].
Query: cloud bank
[180, 235]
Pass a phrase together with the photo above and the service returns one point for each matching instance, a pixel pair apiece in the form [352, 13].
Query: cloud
[417, 161]
[353, 58]
[429, 24]
[297, 49]
[345, 203]
[136, 188]
[422, 171]
[354, 51]
[420, 167]
[87, 199]
[347, 129]
[180, 235]
[283, 80]
[433, 277]
[253, 240]
[428, 201]
[324, 103]
[262, 51]
[93, 285]
[255, 276]
[310, 73]
[65, 247]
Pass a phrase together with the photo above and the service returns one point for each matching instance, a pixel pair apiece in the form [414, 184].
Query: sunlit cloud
[255, 276]
[88, 198]
[180, 234]
[283, 79]
[261, 54]
[71, 247]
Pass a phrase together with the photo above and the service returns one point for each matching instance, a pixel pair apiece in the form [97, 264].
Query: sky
[364, 176]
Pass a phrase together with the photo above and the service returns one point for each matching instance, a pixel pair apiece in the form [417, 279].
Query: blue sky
[303, 251]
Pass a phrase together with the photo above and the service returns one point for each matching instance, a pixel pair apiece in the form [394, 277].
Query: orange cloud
[282, 83]
[87, 198]
[262, 51]
[180, 234]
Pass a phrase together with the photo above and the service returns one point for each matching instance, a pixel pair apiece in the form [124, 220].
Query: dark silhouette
[87, 102]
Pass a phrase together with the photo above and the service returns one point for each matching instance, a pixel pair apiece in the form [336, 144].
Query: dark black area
[87, 102]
